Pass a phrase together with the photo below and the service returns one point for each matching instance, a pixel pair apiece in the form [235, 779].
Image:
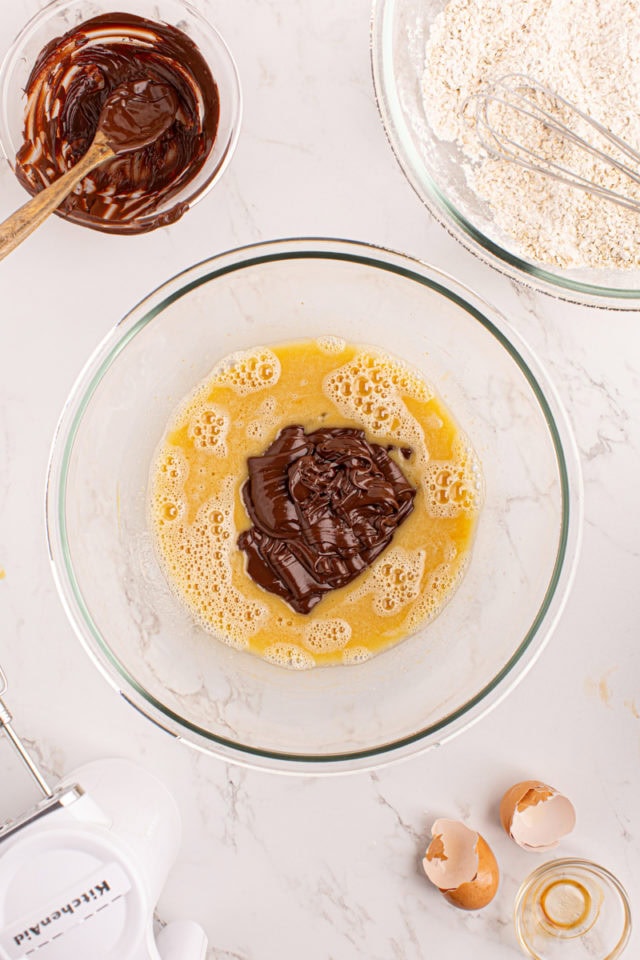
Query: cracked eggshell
[461, 865]
[535, 815]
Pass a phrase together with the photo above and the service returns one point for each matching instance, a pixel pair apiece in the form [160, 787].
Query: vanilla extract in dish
[312, 393]
[72, 79]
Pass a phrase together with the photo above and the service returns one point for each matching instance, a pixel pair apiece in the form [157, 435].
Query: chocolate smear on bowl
[324, 506]
[71, 80]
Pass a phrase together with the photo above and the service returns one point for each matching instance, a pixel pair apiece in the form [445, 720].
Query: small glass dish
[572, 909]
[431, 685]
[435, 169]
[60, 16]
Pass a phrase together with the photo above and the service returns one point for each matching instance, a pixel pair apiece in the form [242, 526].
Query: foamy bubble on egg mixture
[289, 655]
[331, 344]
[325, 636]
[208, 429]
[369, 390]
[393, 581]
[436, 590]
[266, 419]
[196, 509]
[168, 496]
[356, 655]
[249, 371]
[198, 554]
[453, 486]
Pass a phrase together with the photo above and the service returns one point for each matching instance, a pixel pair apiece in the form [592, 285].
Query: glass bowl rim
[14, 54]
[324, 248]
[445, 212]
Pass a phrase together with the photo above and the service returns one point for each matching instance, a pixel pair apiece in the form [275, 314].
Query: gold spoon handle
[24, 221]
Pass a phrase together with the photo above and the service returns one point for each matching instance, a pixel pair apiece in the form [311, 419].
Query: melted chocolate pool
[70, 82]
[324, 505]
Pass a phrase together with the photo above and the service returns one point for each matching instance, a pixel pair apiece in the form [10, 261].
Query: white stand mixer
[81, 873]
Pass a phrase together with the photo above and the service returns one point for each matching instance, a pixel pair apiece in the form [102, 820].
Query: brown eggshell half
[461, 864]
[480, 891]
[535, 815]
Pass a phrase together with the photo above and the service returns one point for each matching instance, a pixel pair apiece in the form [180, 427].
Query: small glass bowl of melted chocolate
[63, 66]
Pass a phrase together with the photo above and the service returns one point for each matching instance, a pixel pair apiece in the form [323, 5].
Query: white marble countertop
[311, 867]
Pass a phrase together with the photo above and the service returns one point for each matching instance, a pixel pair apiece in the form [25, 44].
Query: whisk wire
[526, 108]
[521, 94]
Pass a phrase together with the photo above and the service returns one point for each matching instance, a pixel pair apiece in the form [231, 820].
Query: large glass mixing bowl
[435, 169]
[431, 685]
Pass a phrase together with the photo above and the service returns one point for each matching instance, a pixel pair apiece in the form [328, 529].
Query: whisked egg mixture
[196, 511]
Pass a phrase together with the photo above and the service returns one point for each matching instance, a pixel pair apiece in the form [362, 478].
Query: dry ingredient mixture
[588, 51]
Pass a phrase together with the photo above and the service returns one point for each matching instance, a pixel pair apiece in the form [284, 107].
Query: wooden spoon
[133, 116]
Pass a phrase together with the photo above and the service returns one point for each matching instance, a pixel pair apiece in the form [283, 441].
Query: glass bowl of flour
[429, 59]
[160, 651]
